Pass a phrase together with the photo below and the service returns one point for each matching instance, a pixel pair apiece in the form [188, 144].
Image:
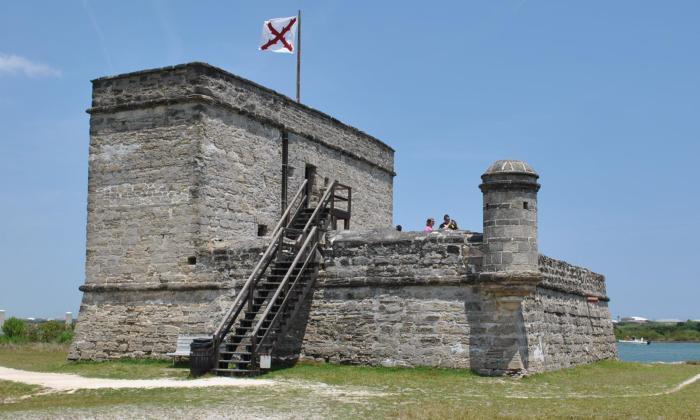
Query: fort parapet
[191, 167]
[419, 299]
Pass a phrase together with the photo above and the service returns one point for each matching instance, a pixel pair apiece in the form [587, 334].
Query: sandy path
[69, 382]
[673, 390]
[681, 385]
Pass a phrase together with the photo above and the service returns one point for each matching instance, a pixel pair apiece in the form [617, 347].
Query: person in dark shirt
[448, 223]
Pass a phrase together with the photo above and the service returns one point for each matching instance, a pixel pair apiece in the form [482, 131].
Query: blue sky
[602, 98]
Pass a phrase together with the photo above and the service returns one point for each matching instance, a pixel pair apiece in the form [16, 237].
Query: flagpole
[299, 57]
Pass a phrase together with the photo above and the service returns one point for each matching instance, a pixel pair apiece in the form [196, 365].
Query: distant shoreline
[680, 332]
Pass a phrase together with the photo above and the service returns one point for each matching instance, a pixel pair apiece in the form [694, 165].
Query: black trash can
[202, 357]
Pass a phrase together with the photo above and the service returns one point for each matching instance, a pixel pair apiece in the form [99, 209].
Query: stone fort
[220, 208]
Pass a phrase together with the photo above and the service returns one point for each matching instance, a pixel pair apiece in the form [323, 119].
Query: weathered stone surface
[188, 156]
[145, 319]
[510, 216]
[143, 323]
[404, 326]
[404, 298]
[384, 298]
[567, 278]
[206, 84]
[565, 330]
[186, 163]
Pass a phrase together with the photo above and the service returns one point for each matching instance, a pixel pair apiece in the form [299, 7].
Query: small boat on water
[635, 340]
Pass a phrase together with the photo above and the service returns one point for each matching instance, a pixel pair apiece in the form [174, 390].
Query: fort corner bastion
[191, 169]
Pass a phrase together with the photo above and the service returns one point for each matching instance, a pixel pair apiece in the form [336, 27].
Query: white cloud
[14, 64]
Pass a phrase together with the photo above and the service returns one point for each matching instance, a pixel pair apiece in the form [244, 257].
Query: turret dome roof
[510, 166]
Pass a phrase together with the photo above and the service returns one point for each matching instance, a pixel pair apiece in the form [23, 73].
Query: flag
[278, 35]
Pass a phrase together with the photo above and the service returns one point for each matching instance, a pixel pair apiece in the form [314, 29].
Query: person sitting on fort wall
[448, 224]
[429, 225]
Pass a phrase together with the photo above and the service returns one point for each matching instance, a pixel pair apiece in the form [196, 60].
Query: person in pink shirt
[429, 225]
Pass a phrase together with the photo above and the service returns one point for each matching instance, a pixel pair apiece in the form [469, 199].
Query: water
[659, 352]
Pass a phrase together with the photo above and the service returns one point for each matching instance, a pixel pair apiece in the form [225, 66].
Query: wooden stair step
[235, 356]
[235, 372]
[231, 351]
[237, 362]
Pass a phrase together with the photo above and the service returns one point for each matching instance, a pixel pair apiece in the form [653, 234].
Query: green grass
[43, 357]
[605, 389]
[11, 390]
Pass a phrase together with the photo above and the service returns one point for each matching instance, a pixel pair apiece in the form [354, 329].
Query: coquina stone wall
[144, 320]
[182, 160]
[418, 299]
[383, 298]
[142, 201]
[393, 298]
[567, 319]
[185, 167]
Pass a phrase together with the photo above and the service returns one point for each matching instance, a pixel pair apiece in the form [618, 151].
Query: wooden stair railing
[260, 267]
[267, 304]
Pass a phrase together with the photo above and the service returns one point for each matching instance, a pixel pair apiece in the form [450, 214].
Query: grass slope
[606, 389]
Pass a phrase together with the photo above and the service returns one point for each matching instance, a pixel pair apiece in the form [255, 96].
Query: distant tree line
[654, 331]
[17, 330]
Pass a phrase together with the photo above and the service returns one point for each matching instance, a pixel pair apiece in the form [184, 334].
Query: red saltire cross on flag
[278, 35]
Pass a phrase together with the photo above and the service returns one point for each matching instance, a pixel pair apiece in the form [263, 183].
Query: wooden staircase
[269, 301]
